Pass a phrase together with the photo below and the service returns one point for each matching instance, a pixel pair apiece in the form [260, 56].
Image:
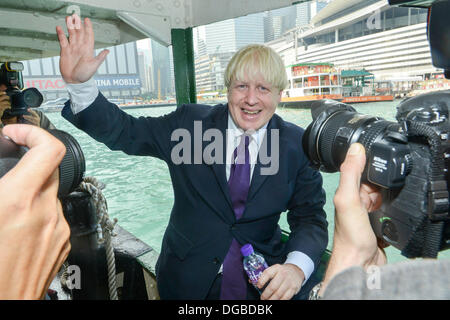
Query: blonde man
[235, 168]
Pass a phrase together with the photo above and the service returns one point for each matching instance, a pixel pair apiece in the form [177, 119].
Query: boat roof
[355, 73]
[311, 64]
[28, 26]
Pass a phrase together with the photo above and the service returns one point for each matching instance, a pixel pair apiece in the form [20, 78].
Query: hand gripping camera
[11, 77]
[407, 159]
[71, 169]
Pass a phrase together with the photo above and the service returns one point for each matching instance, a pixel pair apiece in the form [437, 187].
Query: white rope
[105, 229]
[64, 275]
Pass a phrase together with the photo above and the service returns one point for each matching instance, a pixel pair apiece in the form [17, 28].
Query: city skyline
[221, 39]
[145, 66]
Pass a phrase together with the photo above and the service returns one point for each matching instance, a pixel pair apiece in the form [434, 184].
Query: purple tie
[234, 282]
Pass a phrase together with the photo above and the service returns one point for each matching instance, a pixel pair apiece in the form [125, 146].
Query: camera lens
[72, 166]
[32, 97]
[334, 128]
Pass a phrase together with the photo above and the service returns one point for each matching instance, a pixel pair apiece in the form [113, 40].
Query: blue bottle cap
[247, 250]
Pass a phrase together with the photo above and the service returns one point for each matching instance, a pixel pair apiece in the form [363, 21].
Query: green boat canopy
[355, 73]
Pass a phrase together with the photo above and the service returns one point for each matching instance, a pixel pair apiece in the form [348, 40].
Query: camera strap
[426, 240]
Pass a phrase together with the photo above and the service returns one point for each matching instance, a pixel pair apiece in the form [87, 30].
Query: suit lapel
[220, 122]
[265, 150]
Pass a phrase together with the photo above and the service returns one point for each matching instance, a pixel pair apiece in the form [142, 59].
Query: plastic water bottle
[254, 264]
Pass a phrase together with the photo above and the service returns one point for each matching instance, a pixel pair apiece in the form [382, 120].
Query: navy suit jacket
[202, 223]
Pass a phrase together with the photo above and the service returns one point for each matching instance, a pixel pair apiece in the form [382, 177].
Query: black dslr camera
[72, 167]
[11, 77]
[409, 159]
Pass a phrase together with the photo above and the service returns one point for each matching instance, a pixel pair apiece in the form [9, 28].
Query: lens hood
[321, 112]
[73, 165]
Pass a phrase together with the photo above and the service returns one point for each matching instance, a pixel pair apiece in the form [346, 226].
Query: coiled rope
[105, 229]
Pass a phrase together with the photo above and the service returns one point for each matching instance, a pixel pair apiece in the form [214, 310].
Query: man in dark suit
[234, 168]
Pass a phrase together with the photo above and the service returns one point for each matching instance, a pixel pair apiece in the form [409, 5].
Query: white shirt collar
[234, 132]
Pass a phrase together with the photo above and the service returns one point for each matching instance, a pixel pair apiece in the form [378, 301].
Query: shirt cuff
[302, 261]
[82, 95]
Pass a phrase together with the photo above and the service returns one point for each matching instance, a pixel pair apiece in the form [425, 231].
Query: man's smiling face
[252, 102]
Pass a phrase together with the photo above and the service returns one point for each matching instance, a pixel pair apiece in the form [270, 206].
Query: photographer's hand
[5, 103]
[34, 235]
[32, 118]
[78, 62]
[355, 243]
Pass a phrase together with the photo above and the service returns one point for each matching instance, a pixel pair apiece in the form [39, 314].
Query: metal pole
[184, 66]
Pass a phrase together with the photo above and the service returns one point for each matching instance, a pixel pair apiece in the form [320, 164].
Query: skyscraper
[161, 69]
[307, 10]
[142, 72]
[268, 27]
[232, 34]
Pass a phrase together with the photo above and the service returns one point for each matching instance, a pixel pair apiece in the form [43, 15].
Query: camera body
[21, 100]
[407, 159]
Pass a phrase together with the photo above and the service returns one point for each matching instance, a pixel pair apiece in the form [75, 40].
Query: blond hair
[253, 59]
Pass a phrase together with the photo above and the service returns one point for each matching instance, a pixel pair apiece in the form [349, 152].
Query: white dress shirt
[83, 95]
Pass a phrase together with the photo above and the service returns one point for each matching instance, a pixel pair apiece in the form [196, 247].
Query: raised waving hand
[78, 62]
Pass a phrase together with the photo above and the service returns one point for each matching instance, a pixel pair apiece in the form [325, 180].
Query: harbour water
[139, 191]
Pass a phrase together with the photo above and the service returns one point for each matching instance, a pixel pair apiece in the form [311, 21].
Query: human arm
[118, 130]
[307, 240]
[34, 236]
[355, 243]
[91, 112]
[423, 279]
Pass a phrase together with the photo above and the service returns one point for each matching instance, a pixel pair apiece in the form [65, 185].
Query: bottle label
[255, 274]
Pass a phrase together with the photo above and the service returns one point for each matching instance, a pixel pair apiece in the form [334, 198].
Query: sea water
[139, 191]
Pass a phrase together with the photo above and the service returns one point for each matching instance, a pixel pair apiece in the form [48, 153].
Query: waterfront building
[171, 93]
[209, 71]
[268, 27]
[389, 42]
[224, 38]
[232, 34]
[307, 10]
[144, 72]
[201, 46]
[277, 22]
[162, 69]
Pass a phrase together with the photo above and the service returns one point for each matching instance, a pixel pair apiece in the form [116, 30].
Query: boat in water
[360, 86]
[310, 82]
